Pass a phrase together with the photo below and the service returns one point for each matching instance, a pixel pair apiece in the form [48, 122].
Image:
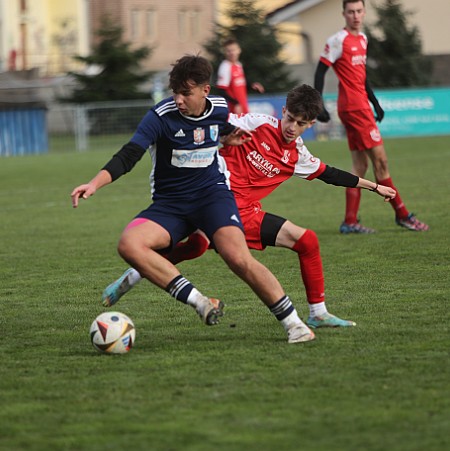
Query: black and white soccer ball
[113, 333]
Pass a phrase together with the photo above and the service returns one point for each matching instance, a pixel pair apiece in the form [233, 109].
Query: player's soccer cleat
[113, 292]
[354, 228]
[412, 223]
[210, 310]
[328, 320]
[300, 333]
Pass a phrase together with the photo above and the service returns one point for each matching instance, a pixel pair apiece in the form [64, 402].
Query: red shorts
[362, 131]
[252, 217]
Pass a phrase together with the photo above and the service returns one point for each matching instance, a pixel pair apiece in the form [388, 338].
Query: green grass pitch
[383, 385]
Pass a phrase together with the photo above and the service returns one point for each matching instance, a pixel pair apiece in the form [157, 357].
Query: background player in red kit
[275, 153]
[346, 51]
[231, 81]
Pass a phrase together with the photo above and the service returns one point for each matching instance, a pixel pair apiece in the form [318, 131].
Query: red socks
[195, 246]
[352, 201]
[307, 248]
[397, 204]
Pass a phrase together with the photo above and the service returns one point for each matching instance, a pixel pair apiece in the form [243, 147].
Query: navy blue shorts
[209, 213]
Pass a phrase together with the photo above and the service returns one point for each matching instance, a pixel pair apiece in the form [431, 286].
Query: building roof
[291, 9]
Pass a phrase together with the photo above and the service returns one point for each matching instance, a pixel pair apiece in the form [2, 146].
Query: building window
[134, 28]
[150, 25]
[188, 24]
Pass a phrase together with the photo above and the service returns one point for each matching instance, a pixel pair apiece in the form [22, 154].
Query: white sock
[134, 277]
[195, 297]
[318, 309]
[291, 320]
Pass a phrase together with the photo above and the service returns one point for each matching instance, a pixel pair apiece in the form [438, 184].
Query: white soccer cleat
[300, 333]
[210, 310]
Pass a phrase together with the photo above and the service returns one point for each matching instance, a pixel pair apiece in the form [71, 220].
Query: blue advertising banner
[408, 112]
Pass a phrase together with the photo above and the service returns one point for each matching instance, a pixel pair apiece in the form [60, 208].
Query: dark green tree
[259, 44]
[395, 56]
[118, 77]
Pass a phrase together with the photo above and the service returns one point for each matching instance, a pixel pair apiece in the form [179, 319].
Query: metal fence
[95, 125]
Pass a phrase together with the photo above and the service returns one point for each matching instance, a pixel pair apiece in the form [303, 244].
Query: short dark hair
[304, 101]
[190, 68]
[229, 41]
[344, 2]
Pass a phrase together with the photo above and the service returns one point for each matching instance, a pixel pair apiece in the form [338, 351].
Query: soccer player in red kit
[346, 52]
[231, 81]
[275, 154]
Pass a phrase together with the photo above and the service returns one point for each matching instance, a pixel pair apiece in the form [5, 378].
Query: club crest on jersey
[199, 136]
[285, 157]
[214, 132]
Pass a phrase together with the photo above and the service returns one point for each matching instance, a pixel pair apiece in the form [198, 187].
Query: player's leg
[351, 222]
[360, 136]
[141, 245]
[195, 246]
[230, 243]
[277, 231]
[381, 171]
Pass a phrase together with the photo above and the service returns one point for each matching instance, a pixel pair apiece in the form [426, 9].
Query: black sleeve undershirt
[338, 177]
[124, 160]
[228, 98]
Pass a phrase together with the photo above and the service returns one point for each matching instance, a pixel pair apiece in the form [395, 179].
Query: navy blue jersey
[183, 149]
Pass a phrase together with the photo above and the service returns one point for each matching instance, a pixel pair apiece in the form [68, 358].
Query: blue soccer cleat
[117, 289]
[328, 320]
[354, 228]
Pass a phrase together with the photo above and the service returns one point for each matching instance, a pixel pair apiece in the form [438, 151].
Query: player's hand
[324, 116]
[237, 108]
[256, 86]
[83, 191]
[237, 137]
[387, 192]
[379, 113]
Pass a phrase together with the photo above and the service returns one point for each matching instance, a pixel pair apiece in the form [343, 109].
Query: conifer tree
[118, 75]
[259, 44]
[395, 56]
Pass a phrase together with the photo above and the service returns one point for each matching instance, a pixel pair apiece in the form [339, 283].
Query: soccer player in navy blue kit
[189, 192]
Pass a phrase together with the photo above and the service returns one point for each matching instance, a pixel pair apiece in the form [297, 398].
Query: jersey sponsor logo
[180, 133]
[358, 60]
[266, 146]
[214, 132]
[263, 165]
[375, 134]
[201, 158]
[199, 136]
[286, 156]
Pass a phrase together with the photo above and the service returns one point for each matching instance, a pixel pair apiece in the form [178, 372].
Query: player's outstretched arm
[88, 189]
[384, 191]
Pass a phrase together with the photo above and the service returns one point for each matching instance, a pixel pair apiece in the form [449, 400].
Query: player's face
[293, 126]
[354, 16]
[232, 52]
[192, 100]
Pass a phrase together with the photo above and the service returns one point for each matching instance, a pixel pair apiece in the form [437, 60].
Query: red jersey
[347, 54]
[258, 167]
[231, 78]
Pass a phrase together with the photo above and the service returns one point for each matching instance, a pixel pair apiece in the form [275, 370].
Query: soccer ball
[112, 333]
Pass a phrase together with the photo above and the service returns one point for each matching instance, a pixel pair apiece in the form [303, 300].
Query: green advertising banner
[408, 112]
[415, 112]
